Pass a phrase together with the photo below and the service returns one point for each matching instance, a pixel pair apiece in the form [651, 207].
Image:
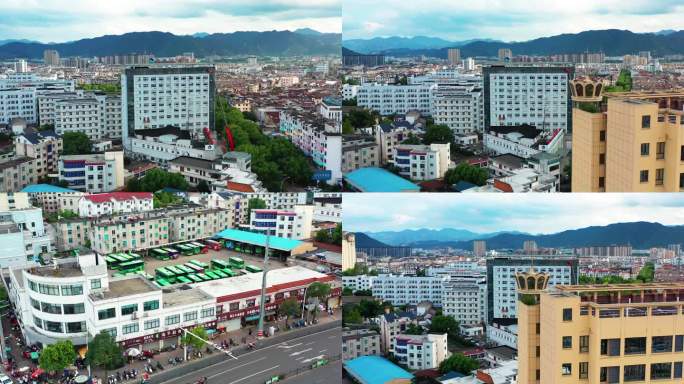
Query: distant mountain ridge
[268, 43]
[412, 236]
[364, 241]
[380, 44]
[640, 235]
[612, 42]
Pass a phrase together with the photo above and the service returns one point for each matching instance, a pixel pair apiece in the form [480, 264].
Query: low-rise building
[53, 199]
[359, 342]
[422, 162]
[359, 151]
[294, 224]
[421, 351]
[18, 172]
[103, 204]
[44, 147]
[393, 324]
[103, 172]
[162, 145]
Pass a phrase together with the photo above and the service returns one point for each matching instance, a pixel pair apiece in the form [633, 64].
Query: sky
[67, 20]
[507, 20]
[534, 213]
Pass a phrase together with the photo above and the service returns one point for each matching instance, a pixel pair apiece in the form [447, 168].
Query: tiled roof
[118, 196]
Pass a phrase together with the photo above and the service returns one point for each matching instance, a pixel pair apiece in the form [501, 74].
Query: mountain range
[379, 44]
[640, 235]
[364, 241]
[612, 42]
[162, 44]
[412, 236]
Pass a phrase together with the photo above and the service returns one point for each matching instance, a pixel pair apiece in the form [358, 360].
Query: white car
[4, 379]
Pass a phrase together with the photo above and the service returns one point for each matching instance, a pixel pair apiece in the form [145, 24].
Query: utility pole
[260, 328]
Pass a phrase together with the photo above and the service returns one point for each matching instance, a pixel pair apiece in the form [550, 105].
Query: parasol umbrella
[133, 352]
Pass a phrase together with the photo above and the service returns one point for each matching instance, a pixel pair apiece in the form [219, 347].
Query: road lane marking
[300, 352]
[254, 374]
[236, 367]
[289, 346]
[313, 358]
[195, 372]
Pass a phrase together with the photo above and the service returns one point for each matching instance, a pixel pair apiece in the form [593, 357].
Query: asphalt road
[275, 357]
[329, 374]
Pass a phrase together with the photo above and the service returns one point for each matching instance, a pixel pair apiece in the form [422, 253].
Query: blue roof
[39, 188]
[375, 370]
[279, 243]
[463, 185]
[373, 179]
[451, 375]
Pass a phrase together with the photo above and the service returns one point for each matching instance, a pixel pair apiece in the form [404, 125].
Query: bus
[175, 270]
[212, 275]
[199, 263]
[112, 263]
[132, 266]
[194, 278]
[185, 269]
[184, 280]
[252, 268]
[163, 273]
[236, 262]
[202, 247]
[195, 268]
[160, 253]
[162, 282]
[173, 253]
[218, 264]
[213, 244]
[220, 273]
[229, 272]
[134, 256]
[145, 275]
[203, 276]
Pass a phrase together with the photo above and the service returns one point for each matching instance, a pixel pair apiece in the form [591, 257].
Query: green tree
[104, 352]
[290, 308]
[55, 357]
[195, 338]
[466, 172]
[460, 363]
[249, 115]
[647, 273]
[323, 236]
[203, 186]
[76, 143]
[347, 127]
[444, 324]
[347, 291]
[349, 102]
[414, 329]
[156, 179]
[319, 292]
[412, 139]
[336, 235]
[359, 118]
[254, 203]
[351, 316]
[67, 214]
[164, 199]
[369, 309]
[438, 133]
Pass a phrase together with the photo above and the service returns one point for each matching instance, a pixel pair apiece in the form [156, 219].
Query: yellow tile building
[596, 334]
[633, 142]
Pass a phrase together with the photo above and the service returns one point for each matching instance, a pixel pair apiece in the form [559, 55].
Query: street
[322, 375]
[286, 357]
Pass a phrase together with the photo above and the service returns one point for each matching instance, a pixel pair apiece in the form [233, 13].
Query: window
[170, 320]
[152, 324]
[38, 322]
[72, 290]
[584, 370]
[48, 289]
[681, 180]
[643, 176]
[602, 182]
[610, 347]
[679, 343]
[635, 345]
[646, 121]
[129, 328]
[661, 371]
[72, 309]
[661, 344]
[111, 331]
[53, 326]
[207, 312]
[677, 370]
[660, 150]
[151, 305]
[566, 369]
[660, 175]
[35, 304]
[128, 309]
[681, 154]
[189, 316]
[602, 135]
[602, 158]
[95, 284]
[610, 375]
[76, 327]
[645, 148]
[584, 343]
[567, 342]
[567, 314]
[635, 372]
[52, 308]
[104, 314]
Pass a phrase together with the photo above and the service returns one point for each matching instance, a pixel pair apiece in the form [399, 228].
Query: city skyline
[60, 21]
[499, 212]
[507, 21]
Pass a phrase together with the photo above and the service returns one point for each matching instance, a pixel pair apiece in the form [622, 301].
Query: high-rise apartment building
[533, 95]
[454, 55]
[51, 57]
[479, 248]
[505, 54]
[632, 143]
[160, 96]
[599, 333]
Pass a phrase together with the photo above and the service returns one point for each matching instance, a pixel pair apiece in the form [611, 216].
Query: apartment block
[359, 151]
[359, 342]
[422, 162]
[93, 173]
[421, 351]
[44, 147]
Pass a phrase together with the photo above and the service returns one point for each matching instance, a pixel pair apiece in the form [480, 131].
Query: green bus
[164, 273]
[193, 248]
[162, 282]
[183, 279]
[199, 263]
[132, 266]
[220, 273]
[175, 270]
[112, 263]
[229, 272]
[134, 256]
[195, 268]
[212, 275]
[219, 264]
[173, 253]
[252, 268]
[184, 269]
[236, 262]
[194, 278]
[160, 253]
[203, 277]
[145, 275]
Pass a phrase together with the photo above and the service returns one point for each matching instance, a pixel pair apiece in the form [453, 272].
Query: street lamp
[304, 302]
[260, 327]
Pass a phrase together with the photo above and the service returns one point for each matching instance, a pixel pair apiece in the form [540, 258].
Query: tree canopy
[290, 308]
[460, 363]
[156, 179]
[196, 341]
[104, 352]
[444, 324]
[164, 199]
[438, 133]
[76, 143]
[466, 172]
[55, 357]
